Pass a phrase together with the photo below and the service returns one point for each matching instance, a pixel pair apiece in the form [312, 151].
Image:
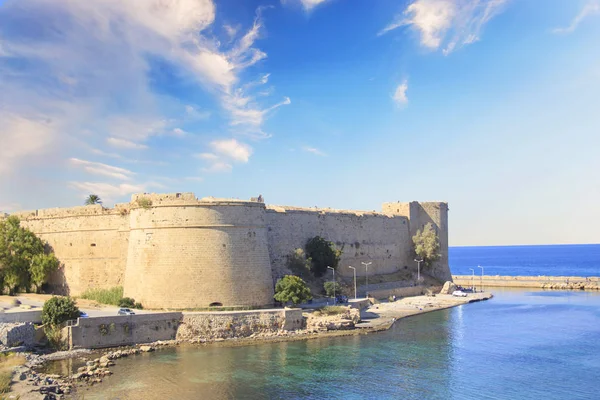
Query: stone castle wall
[363, 236]
[177, 252]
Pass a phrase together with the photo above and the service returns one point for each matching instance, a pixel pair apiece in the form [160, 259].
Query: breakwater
[538, 282]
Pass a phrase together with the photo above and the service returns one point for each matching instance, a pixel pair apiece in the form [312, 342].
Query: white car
[459, 293]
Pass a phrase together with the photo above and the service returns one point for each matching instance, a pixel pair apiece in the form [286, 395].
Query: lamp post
[333, 270]
[367, 274]
[472, 279]
[418, 269]
[481, 281]
[354, 280]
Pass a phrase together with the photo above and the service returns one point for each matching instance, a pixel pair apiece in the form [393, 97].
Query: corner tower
[419, 215]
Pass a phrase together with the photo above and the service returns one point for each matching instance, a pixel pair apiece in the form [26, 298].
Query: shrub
[331, 310]
[59, 309]
[329, 288]
[144, 202]
[128, 302]
[110, 296]
[298, 263]
[322, 254]
[292, 288]
[427, 245]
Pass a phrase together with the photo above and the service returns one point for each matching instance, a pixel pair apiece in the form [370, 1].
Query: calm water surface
[519, 345]
[552, 260]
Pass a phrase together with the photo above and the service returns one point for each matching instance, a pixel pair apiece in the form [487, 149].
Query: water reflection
[516, 346]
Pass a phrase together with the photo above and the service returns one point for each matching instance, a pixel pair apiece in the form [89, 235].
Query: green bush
[322, 254]
[144, 202]
[59, 309]
[128, 302]
[110, 296]
[329, 288]
[331, 310]
[292, 288]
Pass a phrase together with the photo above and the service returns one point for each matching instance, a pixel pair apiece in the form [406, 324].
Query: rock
[449, 288]
[80, 375]
[22, 376]
[81, 369]
[146, 349]
[90, 363]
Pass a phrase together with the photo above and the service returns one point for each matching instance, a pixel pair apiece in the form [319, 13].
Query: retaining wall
[34, 316]
[121, 330]
[17, 334]
[238, 323]
[398, 292]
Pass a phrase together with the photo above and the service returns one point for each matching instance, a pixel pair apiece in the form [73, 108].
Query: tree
[322, 254]
[59, 309]
[298, 263]
[329, 287]
[42, 265]
[292, 288]
[24, 258]
[427, 245]
[93, 199]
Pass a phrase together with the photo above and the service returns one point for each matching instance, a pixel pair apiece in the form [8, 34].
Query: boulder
[449, 288]
[146, 349]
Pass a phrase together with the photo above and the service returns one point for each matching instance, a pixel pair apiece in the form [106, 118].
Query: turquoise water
[552, 260]
[519, 345]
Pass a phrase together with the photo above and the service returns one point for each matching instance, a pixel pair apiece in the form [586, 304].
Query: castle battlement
[176, 251]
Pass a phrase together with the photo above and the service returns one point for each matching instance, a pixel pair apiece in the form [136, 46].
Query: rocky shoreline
[538, 282]
[30, 383]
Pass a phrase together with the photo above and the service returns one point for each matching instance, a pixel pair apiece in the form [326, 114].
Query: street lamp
[472, 279]
[418, 269]
[333, 270]
[354, 280]
[367, 274]
[479, 266]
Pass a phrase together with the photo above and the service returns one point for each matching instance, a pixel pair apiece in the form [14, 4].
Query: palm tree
[93, 199]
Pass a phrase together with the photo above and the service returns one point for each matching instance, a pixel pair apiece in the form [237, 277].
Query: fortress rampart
[176, 251]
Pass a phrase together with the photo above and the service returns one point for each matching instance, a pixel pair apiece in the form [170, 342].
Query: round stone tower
[188, 253]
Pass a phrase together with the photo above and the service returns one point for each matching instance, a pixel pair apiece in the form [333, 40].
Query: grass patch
[110, 296]
[331, 310]
[7, 363]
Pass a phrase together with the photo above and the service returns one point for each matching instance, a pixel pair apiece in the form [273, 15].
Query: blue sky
[491, 105]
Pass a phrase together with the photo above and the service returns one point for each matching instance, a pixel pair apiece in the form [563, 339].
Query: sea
[522, 344]
[551, 260]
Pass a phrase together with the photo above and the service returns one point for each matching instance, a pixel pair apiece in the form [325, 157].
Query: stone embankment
[539, 282]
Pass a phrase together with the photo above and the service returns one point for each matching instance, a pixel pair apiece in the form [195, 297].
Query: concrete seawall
[539, 282]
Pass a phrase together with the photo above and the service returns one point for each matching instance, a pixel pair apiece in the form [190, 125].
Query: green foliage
[144, 202]
[5, 381]
[128, 302]
[42, 265]
[93, 199]
[427, 245]
[292, 288]
[298, 263]
[322, 253]
[59, 309]
[331, 310]
[55, 339]
[329, 288]
[23, 257]
[110, 296]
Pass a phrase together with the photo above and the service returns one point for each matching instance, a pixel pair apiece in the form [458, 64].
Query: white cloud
[400, 94]
[107, 191]
[314, 150]
[178, 132]
[81, 78]
[454, 23]
[125, 144]
[232, 149]
[208, 156]
[590, 8]
[218, 167]
[103, 169]
[309, 4]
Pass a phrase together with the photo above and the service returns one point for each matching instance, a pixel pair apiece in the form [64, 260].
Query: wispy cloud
[218, 167]
[108, 192]
[451, 23]
[400, 94]
[314, 150]
[125, 144]
[103, 169]
[590, 8]
[308, 5]
[223, 153]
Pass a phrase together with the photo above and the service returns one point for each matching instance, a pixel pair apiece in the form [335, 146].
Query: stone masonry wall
[197, 254]
[363, 236]
[90, 242]
[209, 326]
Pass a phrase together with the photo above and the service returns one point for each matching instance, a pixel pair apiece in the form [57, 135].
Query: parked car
[459, 293]
[341, 299]
[83, 314]
[125, 311]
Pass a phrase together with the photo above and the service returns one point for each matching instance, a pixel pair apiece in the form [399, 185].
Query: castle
[179, 252]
